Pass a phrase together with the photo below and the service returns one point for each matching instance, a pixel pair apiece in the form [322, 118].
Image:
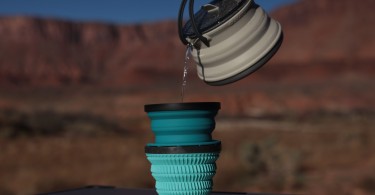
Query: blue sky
[114, 11]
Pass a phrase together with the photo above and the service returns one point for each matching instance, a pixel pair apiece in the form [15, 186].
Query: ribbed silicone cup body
[183, 154]
[182, 127]
[183, 173]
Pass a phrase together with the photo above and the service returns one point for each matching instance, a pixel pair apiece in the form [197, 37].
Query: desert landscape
[72, 97]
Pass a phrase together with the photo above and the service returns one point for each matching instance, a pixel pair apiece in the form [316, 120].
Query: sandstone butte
[324, 35]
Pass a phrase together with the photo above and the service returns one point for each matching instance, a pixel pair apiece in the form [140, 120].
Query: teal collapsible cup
[183, 155]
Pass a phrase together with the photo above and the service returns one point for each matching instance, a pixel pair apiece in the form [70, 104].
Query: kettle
[230, 39]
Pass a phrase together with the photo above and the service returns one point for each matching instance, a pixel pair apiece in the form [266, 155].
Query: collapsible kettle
[230, 38]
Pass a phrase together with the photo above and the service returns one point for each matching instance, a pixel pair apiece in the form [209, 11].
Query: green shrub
[272, 167]
[368, 184]
[14, 123]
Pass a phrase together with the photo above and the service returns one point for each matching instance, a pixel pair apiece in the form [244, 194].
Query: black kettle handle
[192, 20]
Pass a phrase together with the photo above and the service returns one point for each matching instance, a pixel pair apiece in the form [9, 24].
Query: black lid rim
[182, 106]
[217, 24]
[212, 148]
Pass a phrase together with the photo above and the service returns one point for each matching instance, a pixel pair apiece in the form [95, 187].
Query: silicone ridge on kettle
[230, 38]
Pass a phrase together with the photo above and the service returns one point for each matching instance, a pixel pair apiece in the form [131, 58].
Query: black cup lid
[207, 21]
[211, 148]
[183, 106]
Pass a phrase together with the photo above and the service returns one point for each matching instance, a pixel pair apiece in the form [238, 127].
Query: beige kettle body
[231, 39]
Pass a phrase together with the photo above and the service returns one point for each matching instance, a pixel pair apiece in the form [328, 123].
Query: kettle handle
[192, 20]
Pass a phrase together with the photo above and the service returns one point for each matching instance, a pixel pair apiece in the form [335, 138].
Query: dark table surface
[108, 190]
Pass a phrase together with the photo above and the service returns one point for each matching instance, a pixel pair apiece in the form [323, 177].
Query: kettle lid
[212, 15]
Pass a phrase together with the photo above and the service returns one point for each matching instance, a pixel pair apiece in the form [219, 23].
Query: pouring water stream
[186, 69]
